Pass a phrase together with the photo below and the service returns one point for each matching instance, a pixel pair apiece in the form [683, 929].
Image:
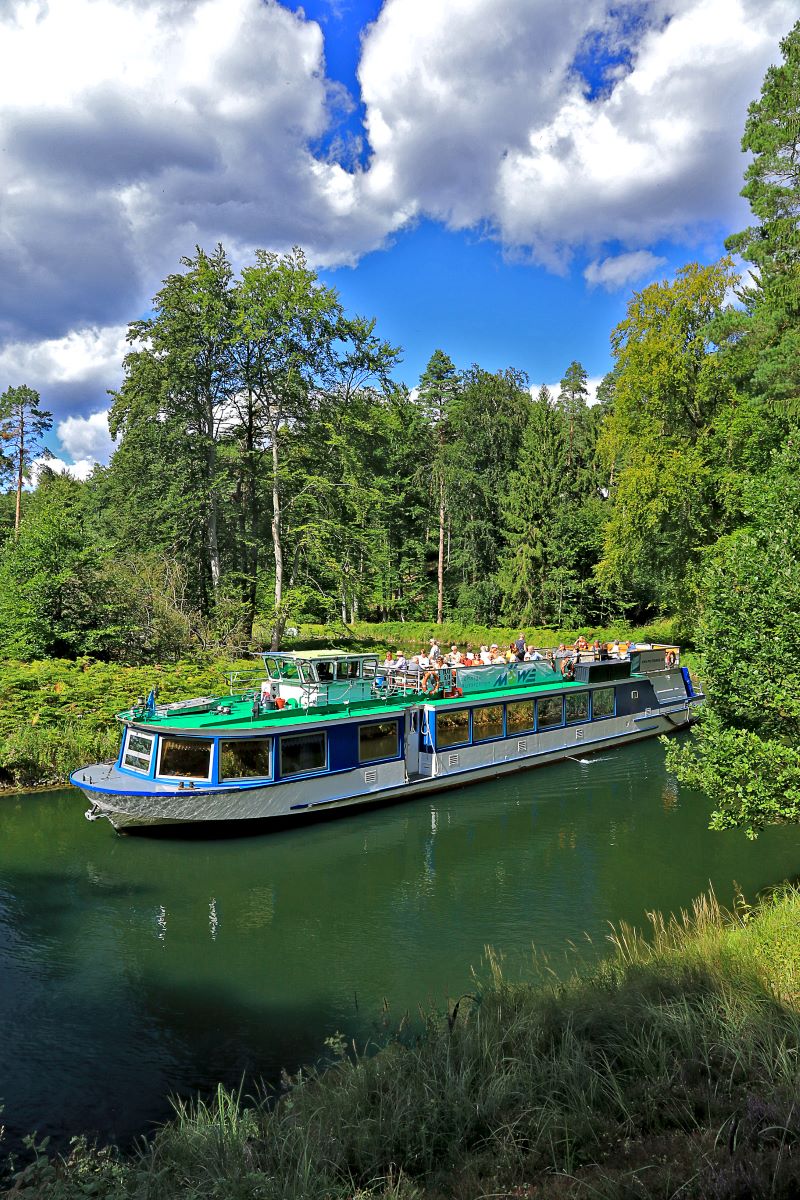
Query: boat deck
[241, 714]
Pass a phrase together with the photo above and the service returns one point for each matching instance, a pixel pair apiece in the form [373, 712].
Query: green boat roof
[241, 715]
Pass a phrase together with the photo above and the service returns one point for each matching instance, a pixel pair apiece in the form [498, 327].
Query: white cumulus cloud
[618, 270]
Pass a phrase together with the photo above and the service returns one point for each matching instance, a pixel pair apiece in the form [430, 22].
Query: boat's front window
[452, 727]
[487, 723]
[303, 753]
[185, 758]
[378, 740]
[550, 711]
[138, 751]
[348, 669]
[246, 758]
[288, 668]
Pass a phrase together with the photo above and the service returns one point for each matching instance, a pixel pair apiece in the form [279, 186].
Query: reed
[669, 1069]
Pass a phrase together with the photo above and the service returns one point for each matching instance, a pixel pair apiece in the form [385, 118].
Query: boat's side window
[246, 758]
[577, 707]
[303, 753]
[185, 758]
[348, 669]
[288, 668]
[138, 751]
[550, 712]
[519, 717]
[369, 667]
[452, 727]
[487, 723]
[379, 739]
[325, 672]
[603, 703]
[272, 666]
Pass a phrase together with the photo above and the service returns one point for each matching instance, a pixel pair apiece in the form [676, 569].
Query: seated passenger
[400, 663]
[423, 660]
[486, 657]
[469, 657]
[562, 651]
[511, 653]
[615, 651]
[389, 663]
[497, 657]
[413, 666]
[455, 658]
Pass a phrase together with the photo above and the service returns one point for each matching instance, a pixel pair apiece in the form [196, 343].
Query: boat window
[550, 711]
[487, 723]
[519, 717]
[188, 758]
[348, 669]
[379, 739]
[138, 751]
[369, 667]
[288, 668]
[603, 703]
[303, 753]
[577, 707]
[246, 758]
[452, 728]
[325, 672]
[272, 667]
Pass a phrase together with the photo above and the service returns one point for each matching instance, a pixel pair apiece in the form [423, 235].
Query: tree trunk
[277, 546]
[440, 573]
[20, 469]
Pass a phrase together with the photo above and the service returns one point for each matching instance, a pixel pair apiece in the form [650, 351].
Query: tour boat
[315, 731]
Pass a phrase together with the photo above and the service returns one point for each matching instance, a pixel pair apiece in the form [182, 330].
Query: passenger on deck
[511, 653]
[469, 657]
[521, 647]
[390, 662]
[486, 657]
[615, 651]
[532, 654]
[497, 658]
[423, 660]
[413, 667]
[562, 651]
[455, 657]
[401, 662]
[434, 651]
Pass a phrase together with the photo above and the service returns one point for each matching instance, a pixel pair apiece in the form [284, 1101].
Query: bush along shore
[668, 1070]
[57, 714]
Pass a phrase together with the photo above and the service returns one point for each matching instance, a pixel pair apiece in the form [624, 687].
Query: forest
[269, 471]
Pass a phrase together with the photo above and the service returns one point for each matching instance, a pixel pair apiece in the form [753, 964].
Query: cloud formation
[618, 270]
[135, 129]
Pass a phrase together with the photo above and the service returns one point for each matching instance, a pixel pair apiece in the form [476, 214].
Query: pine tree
[23, 423]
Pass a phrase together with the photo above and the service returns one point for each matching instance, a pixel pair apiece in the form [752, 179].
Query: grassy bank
[671, 1069]
[57, 714]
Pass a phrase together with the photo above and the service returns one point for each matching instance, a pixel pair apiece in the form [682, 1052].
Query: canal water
[133, 969]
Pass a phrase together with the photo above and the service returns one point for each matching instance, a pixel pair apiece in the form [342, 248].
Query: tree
[745, 754]
[766, 334]
[438, 387]
[182, 375]
[658, 441]
[22, 425]
[572, 400]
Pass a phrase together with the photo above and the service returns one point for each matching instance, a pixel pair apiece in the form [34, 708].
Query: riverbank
[671, 1068]
[57, 714]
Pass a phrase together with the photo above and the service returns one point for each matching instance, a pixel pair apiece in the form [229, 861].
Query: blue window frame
[604, 703]
[303, 754]
[452, 727]
[576, 705]
[549, 712]
[487, 723]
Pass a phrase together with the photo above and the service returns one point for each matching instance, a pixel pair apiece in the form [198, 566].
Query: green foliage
[658, 440]
[746, 754]
[58, 714]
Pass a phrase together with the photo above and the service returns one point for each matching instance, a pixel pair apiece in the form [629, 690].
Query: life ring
[568, 668]
[671, 659]
[426, 678]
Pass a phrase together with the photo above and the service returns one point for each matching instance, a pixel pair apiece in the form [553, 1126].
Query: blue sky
[493, 180]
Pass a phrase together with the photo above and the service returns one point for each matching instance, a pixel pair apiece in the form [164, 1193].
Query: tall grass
[671, 1069]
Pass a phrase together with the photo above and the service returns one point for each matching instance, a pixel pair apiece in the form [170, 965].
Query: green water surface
[132, 969]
